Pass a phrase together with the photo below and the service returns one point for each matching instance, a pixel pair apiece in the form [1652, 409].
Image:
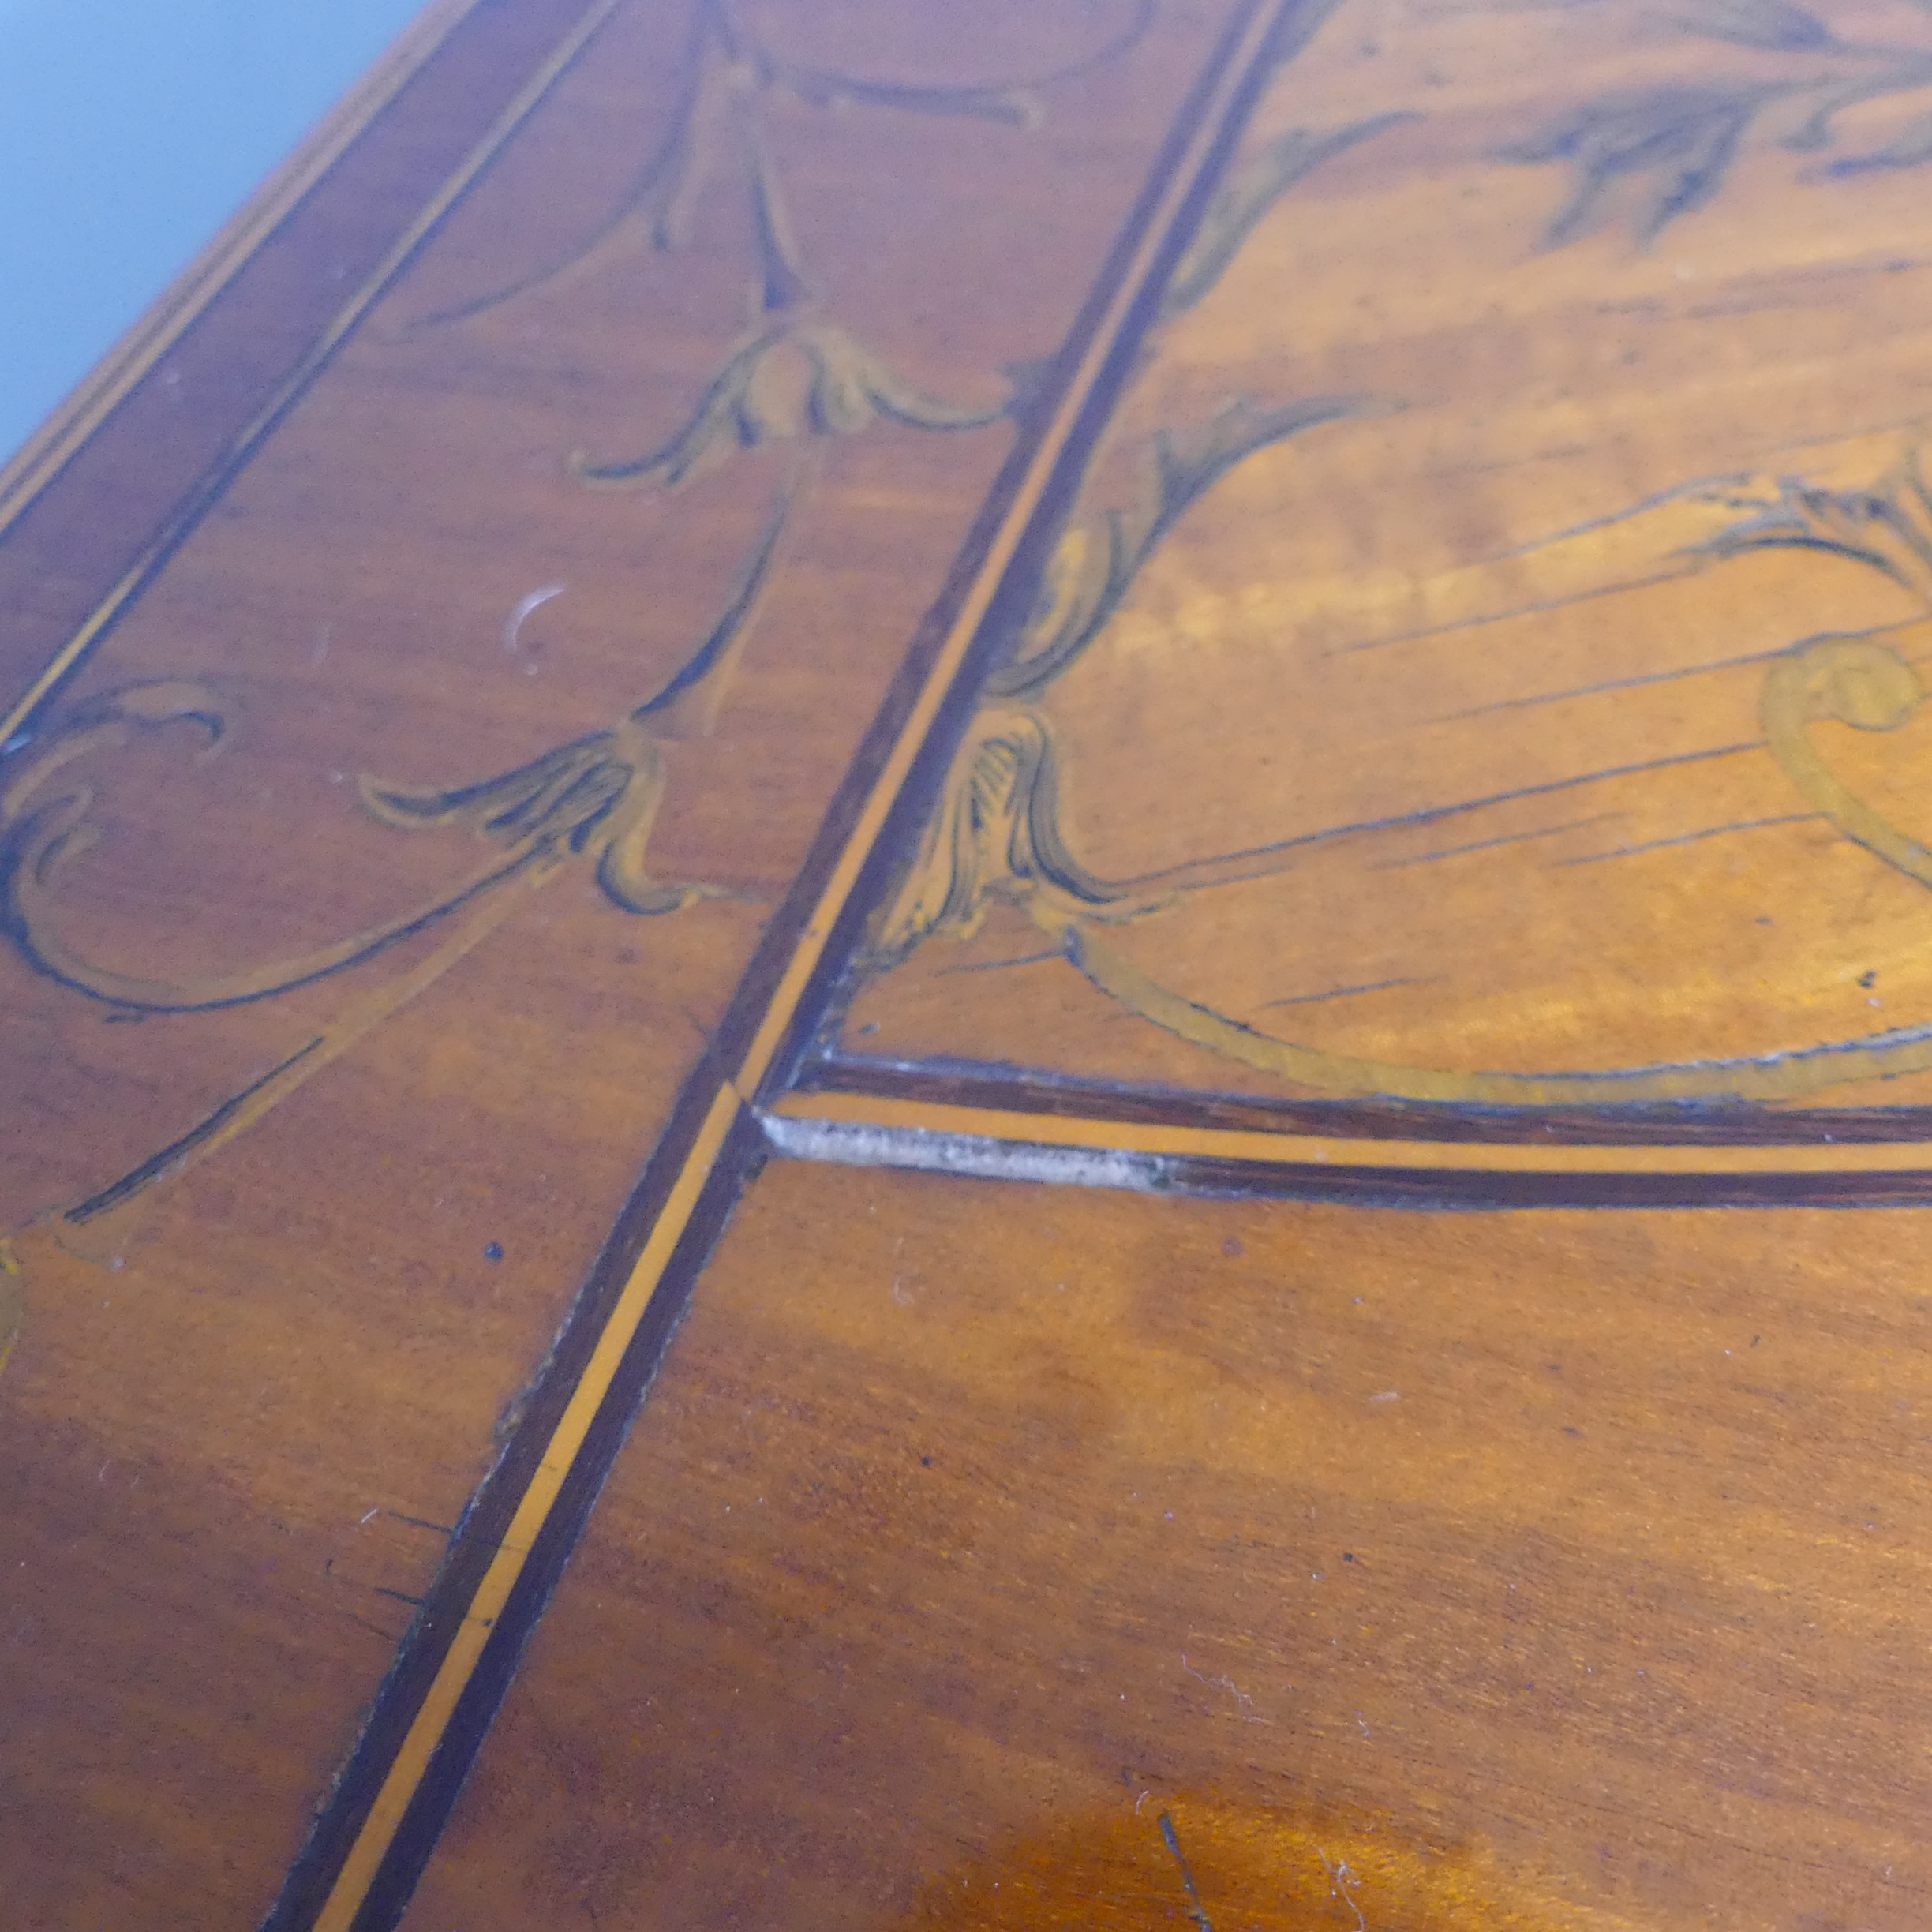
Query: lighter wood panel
[1454, 725]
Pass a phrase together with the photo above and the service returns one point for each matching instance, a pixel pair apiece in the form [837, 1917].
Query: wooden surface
[1444, 746]
[1223, 620]
[249, 1403]
[1548, 1571]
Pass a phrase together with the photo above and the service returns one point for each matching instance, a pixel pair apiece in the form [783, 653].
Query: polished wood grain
[1215, 621]
[328, 1093]
[1555, 1570]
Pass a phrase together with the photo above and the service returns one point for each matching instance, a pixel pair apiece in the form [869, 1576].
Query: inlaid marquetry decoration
[1766, 558]
[798, 372]
[1272, 612]
[1650, 155]
[590, 802]
[13, 1302]
[1347, 753]
[998, 837]
[798, 375]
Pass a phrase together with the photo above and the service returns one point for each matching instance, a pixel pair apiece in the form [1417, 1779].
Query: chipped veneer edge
[853, 1143]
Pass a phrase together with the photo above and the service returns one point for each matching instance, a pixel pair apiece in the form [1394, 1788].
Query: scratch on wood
[1187, 1877]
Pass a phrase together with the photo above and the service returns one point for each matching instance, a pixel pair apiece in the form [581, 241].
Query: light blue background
[129, 131]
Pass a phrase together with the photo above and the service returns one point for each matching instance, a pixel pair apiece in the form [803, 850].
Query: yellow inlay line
[346, 319]
[406, 1772]
[466, 1646]
[1298, 1150]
